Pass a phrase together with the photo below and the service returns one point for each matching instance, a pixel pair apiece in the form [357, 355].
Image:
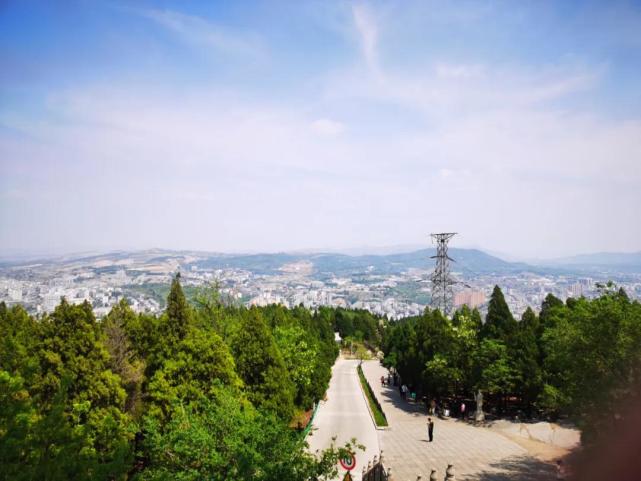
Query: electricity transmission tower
[442, 281]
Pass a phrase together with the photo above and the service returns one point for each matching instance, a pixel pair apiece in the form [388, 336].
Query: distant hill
[603, 258]
[602, 261]
[470, 261]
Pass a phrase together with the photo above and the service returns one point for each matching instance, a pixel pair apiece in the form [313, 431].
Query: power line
[442, 281]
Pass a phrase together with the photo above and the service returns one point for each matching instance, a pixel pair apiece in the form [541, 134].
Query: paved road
[345, 415]
[478, 454]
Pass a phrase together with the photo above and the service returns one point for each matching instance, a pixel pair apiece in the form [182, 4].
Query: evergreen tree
[494, 371]
[178, 315]
[123, 358]
[548, 307]
[72, 348]
[200, 364]
[524, 352]
[75, 425]
[499, 322]
[460, 315]
[300, 354]
[19, 340]
[466, 326]
[261, 367]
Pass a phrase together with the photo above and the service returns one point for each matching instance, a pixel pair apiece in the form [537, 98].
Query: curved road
[346, 416]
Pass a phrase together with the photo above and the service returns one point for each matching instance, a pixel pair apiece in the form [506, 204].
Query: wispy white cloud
[446, 87]
[370, 147]
[176, 157]
[203, 33]
[367, 30]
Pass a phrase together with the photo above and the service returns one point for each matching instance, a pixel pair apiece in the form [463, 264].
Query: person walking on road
[430, 429]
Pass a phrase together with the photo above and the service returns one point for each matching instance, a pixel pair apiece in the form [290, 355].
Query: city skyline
[394, 285]
[354, 251]
[268, 127]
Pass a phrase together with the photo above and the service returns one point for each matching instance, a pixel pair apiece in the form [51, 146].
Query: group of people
[388, 380]
[434, 409]
[402, 388]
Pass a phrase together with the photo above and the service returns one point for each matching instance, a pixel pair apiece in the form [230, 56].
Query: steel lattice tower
[442, 281]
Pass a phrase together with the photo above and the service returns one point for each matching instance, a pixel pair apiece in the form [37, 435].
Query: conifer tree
[549, 305]
[499, 322]
[178, 315]
[524, 351]
[76, 403]
[123, 359]
[260, 365]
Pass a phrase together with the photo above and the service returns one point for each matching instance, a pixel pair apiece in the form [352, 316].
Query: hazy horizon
[29, 255]
[272, 126]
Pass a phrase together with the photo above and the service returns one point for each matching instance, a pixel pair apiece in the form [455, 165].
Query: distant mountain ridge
[327, 264]
[467, 260]
[601, 261]
[601, 258]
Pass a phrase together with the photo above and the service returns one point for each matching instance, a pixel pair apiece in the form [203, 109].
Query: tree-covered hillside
[203, 391]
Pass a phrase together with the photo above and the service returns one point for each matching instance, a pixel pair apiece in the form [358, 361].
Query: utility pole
[442, 281]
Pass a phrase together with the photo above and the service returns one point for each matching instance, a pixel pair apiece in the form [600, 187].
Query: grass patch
[379, 415]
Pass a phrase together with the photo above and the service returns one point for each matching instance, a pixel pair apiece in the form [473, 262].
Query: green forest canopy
[207, 390]
[581, 358]
[203, 391]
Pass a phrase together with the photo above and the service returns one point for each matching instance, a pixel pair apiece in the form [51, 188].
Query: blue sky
[269, 126]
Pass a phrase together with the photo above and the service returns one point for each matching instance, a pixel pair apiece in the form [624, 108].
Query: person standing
[463, 410]
[430, 429]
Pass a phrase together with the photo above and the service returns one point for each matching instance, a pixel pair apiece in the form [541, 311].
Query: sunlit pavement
[477, 453]
[346, 416]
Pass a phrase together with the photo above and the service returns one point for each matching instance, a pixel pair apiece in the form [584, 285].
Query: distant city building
[471, 298]
[576, 290]
[15, 294]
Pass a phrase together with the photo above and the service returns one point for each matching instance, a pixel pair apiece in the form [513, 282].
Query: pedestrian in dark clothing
[430, 429]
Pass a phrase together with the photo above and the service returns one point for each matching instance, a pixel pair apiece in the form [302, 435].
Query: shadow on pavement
[519, 468]
[391, 394]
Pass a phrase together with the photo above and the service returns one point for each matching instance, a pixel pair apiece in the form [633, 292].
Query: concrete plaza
[477, 453]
